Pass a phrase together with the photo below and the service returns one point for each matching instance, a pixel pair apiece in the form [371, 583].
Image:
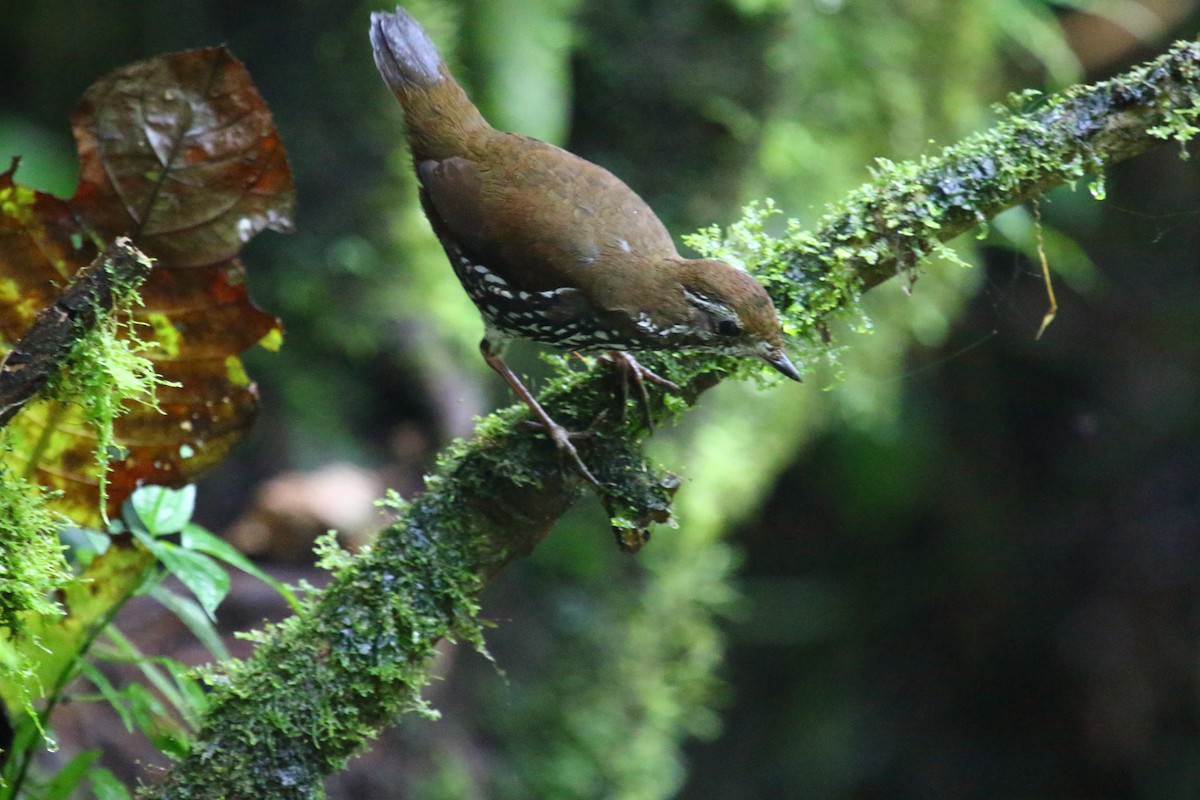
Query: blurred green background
[961, 563]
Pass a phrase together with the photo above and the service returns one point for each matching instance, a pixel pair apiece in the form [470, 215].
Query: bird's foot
[561, 437]
[633, 372]
[574, 436]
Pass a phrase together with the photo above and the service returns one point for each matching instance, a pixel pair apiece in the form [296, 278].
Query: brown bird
[553, 248]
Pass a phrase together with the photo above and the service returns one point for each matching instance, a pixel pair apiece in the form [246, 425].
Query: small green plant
[166, 704]
[74, 446]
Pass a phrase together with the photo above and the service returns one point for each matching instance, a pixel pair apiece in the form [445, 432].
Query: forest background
[961, 563]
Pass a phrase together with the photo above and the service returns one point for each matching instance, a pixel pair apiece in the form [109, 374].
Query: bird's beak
[779, 361]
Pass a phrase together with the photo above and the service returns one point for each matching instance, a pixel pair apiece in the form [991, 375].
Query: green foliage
[106, 786]
[44, 648]
[155, 512]
[103, 371]
[63, 784]
[166, 708]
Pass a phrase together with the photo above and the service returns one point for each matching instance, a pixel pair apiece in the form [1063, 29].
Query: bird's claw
[631, 371]
[537, 424]
[562, 440]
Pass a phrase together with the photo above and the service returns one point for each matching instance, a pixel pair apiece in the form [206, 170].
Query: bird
[553, 248]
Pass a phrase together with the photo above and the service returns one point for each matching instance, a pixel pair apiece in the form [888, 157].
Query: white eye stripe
[705, 303]
[725, 319]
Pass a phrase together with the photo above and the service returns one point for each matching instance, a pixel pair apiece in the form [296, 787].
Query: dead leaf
[179, 153]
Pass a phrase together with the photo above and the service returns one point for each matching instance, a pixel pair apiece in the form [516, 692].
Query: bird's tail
[437, 112]
[406, 57]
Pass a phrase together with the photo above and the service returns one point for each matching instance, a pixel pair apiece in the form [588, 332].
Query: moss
[323, 682]
[104, 371]
[167, 338]
[100, 373]
[32, 567]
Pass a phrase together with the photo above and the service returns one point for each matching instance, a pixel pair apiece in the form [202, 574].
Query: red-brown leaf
[178, 152]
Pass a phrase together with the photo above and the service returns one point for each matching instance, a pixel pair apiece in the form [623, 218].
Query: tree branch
[885, 226]
[30, 365]
[322, 683]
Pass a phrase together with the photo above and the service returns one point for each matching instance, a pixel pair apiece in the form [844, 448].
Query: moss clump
[325, 681]
[105, 370]
[31, 558]
[102, 371]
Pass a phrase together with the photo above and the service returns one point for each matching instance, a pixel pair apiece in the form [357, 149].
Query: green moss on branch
[109, 282]
[910, 209]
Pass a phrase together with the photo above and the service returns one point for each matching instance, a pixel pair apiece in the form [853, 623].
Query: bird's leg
[632, 371]
[557, 433]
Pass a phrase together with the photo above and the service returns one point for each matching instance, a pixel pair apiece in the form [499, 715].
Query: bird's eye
[728, 327]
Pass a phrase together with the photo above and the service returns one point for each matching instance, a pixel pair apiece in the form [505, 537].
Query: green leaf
[64, 783]
[194, 537]
[206, 579]
[111, 694]
[160, 672]
[191, 690]
[105, 785]
[194, 618]
[99, 540]
[153, 720]
[147, 710]
[84, 543]
[162, 510]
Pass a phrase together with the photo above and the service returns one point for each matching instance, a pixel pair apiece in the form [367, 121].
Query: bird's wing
[541, 217]
[452, 196]
[499, 222]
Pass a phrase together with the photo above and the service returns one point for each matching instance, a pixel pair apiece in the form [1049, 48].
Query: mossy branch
[35, 360]
[910, 209]
[322, 683]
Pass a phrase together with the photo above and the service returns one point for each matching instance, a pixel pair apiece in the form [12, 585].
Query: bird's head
[731, 313]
